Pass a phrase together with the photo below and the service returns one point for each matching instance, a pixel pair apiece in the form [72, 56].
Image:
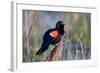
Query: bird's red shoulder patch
[54, 34]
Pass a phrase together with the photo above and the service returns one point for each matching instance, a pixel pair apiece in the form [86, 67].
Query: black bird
[52, 37]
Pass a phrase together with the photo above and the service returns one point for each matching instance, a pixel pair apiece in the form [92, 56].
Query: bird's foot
[56, 45]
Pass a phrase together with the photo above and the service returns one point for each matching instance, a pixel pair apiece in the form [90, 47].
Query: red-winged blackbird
[52, 37]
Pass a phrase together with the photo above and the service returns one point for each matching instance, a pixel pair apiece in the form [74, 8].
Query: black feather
[48, 39]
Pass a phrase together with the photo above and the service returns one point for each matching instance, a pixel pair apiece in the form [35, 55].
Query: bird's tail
[43, 48]
[39, 52]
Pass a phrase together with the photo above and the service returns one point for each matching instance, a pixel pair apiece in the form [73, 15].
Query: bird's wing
[54, 34]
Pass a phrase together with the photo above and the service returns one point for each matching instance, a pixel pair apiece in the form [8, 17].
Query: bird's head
[60, 25]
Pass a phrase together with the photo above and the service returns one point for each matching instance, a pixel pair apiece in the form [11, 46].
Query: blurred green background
[77, 39]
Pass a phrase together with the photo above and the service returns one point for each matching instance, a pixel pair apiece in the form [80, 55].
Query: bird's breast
[58, 38]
